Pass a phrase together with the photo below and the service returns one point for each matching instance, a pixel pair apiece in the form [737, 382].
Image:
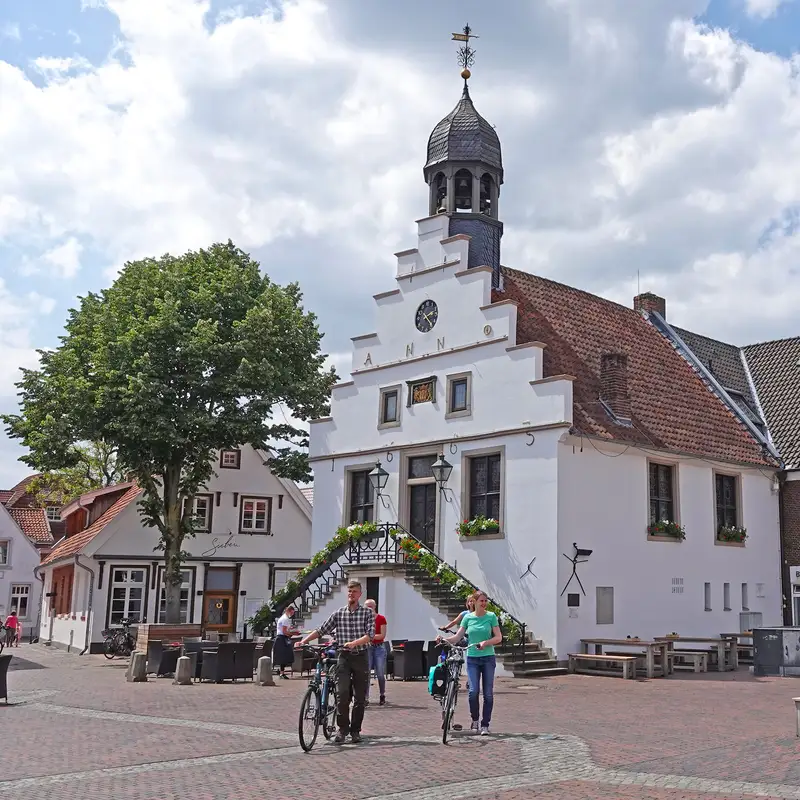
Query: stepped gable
[670, 407]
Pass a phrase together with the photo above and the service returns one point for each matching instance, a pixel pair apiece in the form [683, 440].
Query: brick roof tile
[671, 407]
[33, 523]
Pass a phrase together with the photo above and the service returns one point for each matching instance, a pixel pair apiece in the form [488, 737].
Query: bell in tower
[464, 171]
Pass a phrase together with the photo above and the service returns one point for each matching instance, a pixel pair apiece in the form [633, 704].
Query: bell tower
[464, 172]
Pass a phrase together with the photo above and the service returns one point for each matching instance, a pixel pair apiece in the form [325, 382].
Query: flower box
[732, 533]
[478, 526]
[667, 530]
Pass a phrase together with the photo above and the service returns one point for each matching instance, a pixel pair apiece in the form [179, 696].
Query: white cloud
[763, 8]
[65, 259]
[10, 30]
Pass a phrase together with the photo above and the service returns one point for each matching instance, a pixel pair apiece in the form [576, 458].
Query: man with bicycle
[355, 628]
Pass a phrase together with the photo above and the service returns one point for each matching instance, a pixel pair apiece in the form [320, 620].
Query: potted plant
[731, 533]
[667, 529]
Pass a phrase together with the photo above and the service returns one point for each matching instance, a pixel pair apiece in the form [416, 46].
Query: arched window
[463, 190]
[486, 195]
[439, 194]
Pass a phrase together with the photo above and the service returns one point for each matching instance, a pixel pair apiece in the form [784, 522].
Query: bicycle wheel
[449, 708]
[329, 714]
[309, 719]
[109, 647]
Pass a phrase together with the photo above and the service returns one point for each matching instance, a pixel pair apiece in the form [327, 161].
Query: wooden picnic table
[663, 669]
[725, 645]
[744, 651]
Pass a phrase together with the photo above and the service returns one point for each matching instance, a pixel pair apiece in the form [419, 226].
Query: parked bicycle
[444, 683]
[319, 702]
[119, 642]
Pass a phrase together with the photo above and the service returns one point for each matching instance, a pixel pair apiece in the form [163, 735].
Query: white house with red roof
[20, 590]
[253, 532]
[42, 525]
[625, 497]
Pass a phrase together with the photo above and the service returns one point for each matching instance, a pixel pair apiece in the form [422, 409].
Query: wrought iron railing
[381, 547]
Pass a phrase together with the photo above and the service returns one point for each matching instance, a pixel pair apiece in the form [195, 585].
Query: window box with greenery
[731, 534]
[479, 526]
[664, 529]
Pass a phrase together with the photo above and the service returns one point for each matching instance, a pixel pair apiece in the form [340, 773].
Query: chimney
[647, 301]
[614, 384]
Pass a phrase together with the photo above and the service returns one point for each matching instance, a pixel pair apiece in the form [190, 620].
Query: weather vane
[466, 55]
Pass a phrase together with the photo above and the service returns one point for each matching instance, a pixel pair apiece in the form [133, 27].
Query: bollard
[265, 672]
[797, 712]
[137, 669]
[183, 672]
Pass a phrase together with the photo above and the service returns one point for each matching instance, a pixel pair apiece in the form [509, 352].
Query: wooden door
[219, 612]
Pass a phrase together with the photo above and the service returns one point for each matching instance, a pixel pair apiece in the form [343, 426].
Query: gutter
[88, 605]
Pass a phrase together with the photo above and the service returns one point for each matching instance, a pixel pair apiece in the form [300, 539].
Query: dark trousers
[352, 678]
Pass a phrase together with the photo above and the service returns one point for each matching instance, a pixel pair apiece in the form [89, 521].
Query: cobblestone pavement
[76, 729]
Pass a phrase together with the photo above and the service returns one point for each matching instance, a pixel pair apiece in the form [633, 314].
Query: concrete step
[541, 669]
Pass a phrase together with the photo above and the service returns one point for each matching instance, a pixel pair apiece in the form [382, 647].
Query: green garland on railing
[343, 537]
[443, 574]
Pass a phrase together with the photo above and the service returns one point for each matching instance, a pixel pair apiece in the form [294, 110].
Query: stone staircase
[532, 660]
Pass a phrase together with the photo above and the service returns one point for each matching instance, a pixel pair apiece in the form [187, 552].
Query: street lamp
[378, 478]
[441, 470]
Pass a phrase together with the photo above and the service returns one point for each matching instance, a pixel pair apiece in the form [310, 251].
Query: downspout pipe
[39, 577]
[88, 604]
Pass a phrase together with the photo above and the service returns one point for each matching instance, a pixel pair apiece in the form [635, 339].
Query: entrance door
[218, 612]
[423, 513]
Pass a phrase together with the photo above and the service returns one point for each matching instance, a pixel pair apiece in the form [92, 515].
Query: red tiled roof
[75, 544]
[6, 495]
[33, 523]
[20, 490]
[308, 493]
[88, 498]
[671, 407]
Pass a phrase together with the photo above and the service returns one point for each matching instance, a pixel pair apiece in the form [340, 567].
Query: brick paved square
[82, 732]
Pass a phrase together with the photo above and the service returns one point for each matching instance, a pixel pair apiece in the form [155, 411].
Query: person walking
[12, 625]
[282, 651]
[355, 628]
[483, 630]
[377, 654]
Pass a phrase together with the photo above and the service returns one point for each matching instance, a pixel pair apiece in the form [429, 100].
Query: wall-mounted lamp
[378, 479]
[441, 469]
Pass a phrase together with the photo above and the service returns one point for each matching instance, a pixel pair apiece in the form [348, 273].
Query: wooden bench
[628, 663]
[696, 661]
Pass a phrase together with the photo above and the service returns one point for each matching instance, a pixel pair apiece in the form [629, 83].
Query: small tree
[94, 468]
[180, 357]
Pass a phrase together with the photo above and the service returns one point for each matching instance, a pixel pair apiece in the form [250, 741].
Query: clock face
[427, 314]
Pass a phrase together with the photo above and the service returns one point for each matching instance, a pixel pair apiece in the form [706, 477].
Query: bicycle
[454, 663]
[119, 642]
[319, 702]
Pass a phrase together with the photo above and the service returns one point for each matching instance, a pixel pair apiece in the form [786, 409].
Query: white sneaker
[474, 726]
[484, 730]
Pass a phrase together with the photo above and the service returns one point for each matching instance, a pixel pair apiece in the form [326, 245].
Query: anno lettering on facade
[218, 544]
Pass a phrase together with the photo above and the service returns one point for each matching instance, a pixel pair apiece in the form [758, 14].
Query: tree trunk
[173, 541]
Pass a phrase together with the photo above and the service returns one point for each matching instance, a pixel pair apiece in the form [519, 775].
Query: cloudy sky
[660, 137]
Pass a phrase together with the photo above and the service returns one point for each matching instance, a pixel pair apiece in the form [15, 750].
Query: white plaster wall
[23, 559]
[529, 518]
[603, 506]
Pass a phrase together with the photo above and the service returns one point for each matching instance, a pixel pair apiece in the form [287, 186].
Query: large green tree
[181, 356]
[94, 465]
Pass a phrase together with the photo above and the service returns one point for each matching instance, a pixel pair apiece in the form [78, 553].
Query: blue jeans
[377, 661]
[481, 669]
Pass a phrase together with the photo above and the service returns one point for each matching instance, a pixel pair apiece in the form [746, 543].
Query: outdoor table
[724, 644]
[739, 645]
[650, 648]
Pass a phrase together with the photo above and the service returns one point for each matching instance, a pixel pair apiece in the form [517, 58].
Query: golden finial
[466, 55]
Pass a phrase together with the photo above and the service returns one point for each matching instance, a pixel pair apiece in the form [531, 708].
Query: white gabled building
[570, 419]
[20, 591]
[253, 532]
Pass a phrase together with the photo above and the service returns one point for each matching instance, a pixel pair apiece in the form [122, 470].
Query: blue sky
[660, 141]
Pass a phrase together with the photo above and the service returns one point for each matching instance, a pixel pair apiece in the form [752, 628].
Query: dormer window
[230, 459]
[53, 513]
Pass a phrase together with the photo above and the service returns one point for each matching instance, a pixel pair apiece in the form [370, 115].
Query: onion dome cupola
[464, 171]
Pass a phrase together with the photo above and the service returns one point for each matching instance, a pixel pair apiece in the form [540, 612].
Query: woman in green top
[483, 629]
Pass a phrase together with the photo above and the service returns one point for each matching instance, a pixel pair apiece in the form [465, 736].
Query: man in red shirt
[377, 654]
